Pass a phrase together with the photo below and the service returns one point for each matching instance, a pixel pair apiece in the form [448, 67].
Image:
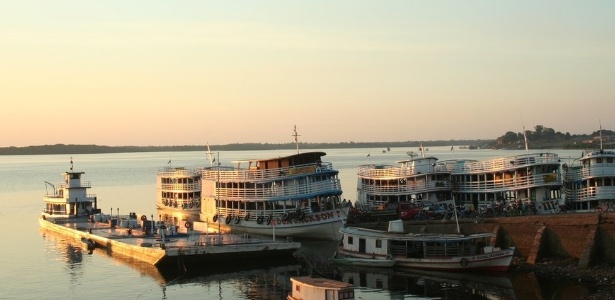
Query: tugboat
[69, 199]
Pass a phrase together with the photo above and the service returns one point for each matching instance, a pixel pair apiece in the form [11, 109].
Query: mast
[527, 148]
[211, 158]
[296, 140]
[600, 134]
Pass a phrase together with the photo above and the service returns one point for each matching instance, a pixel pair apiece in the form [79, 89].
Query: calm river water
[41, 265]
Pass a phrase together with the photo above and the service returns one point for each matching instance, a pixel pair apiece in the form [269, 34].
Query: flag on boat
[169, 162]
[452, 148]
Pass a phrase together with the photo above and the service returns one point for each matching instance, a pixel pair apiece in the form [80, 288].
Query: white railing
[369, 171]
[278, 191]
[234, 174]
[520, 182]
[499, 164]
[180, 186]
[591, 193]
[85, 184]
[410, 188]
[171, 172]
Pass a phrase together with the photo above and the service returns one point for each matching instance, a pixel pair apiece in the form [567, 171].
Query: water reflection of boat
[431, 283]
[367, 262]
[311, 288]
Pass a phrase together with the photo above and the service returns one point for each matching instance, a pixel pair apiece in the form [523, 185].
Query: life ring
[463, 262]
[317, 169]
[188, 225]
[259, 220]
[268, 220]
[285, 217]
[247, 217]
[389, 257]
[237, 219]
[143, 218]
[215, 218]
[228, 219]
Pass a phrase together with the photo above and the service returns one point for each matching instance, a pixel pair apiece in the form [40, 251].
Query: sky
[160, 73]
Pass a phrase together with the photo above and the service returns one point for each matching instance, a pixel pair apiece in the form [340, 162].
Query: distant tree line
[92, 149]
[541, 138]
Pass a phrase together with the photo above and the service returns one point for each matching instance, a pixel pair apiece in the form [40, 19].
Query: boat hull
[496, 261]
[323, 225]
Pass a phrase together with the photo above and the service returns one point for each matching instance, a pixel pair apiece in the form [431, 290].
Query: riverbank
[601, 276]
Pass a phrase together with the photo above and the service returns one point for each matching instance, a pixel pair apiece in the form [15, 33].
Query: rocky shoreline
[601, 276]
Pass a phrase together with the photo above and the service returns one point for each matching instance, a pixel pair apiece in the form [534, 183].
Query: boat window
[599, 160]
[378, 243]
[350, 240]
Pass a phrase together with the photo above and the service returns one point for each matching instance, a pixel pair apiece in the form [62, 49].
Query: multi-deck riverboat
[293, 196]
[179, 191]
[413, 180]
[589, 182]
[524, 183]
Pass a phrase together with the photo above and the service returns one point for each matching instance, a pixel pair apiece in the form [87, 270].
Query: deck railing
[369, 171]
[499, 164]
[408, 188]
[180, 186]
[591, 193]
[520, 182]
[234, 174]
[266, 193]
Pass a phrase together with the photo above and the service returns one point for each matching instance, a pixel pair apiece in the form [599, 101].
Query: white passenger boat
[292, 196]
[589, 182]
[412, 180]
[69, 199]
[179, 191]
[526, 183]
[452, 252]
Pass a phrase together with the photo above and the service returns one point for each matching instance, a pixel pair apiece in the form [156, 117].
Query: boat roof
[424, 237]
[417, 159]
[294, 159]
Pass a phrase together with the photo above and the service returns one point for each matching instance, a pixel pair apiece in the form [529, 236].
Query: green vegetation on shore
[541, 138]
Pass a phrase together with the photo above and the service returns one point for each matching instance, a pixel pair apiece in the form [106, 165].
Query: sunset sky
[195, 72]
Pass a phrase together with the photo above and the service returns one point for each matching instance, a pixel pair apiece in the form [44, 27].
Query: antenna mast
[296, 140]
[600, 134]
[211, 159]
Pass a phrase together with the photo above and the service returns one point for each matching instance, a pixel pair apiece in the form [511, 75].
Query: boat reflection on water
[431, 284]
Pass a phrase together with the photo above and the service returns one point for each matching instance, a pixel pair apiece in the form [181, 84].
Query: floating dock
[162, 245]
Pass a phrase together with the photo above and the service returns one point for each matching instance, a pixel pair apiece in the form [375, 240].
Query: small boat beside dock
[70, 211]
[443, 252]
